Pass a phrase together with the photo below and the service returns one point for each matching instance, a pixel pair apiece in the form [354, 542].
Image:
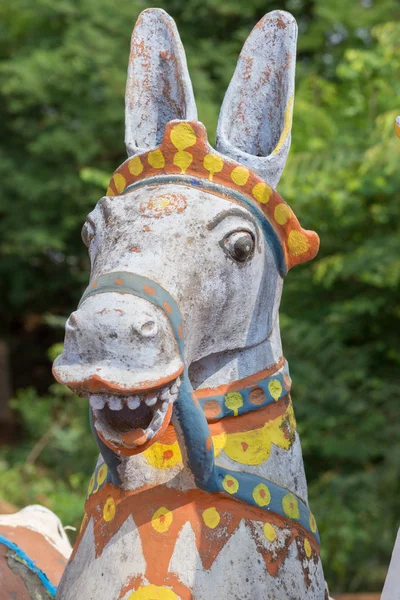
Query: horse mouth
[134, 420]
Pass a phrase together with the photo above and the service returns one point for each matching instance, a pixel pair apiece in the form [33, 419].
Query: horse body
[200, 489]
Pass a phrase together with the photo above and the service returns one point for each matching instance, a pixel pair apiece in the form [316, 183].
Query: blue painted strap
[50, 588]
[191, 421]
[274, 388]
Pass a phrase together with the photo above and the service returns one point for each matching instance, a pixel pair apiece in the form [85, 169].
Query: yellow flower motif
[135, 166]
[269, 532]
[162, 519]
[109, 510]
[213, 164]
[163, 456]
[262, 192]
[230, 484]
[119, 182]
[307, 548]
[211, 517]
[109, 192]
[102, 474]
[233, 401]
[297, 242]
[183, 136]
[291, 506]
[313, 523]
[261, 495]
[156, 159]
[153, 592]
[275, 388]
[240, 175]
[183, 160]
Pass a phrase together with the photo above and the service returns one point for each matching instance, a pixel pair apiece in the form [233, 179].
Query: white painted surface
[44, 521]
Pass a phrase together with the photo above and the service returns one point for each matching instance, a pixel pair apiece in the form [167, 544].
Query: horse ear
[255, 122]
[158, 87]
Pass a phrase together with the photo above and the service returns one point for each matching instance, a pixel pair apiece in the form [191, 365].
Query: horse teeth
[133, 403]
[164, 406]
[157, 420]
[97, 402]
[165, 394]
[151, 401]
[174, 388]
[114, 403]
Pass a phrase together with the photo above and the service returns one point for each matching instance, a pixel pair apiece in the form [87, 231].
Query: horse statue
[199, 491]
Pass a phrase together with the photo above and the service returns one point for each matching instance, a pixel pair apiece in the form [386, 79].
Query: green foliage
[62, 78]
[54, 461]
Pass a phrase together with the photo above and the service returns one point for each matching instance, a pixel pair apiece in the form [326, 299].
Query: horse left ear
[255, 121]
[158, 87]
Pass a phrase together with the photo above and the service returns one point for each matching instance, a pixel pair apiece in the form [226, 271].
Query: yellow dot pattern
[98, 479]
[282, 213]
[183, 136]
[297, 242]
[291, 506]
[213, 164]
[109, 510]
[153, 592]
[275, 389]
[261, 495]
[262, 192]
[156, 159]
[230, 484]
[307, 548]
[234, 401]
[269, 532]
[211, 517]
[119, 182]
[162, 519]
[313, 523]
[240, 175]
[135, 166]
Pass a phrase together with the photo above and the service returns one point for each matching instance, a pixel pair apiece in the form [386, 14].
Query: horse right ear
[256, 116]
[158, 87]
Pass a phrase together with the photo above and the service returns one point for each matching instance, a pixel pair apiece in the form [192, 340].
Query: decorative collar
[246, 395]
[185, 157]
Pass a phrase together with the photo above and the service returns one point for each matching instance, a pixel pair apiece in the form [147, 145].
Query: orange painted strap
[246, 395]
[185, 151]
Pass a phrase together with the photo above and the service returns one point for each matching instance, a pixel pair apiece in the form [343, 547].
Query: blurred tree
[62, 79]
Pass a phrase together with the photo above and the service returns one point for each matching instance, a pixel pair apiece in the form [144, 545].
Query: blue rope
[50, 588]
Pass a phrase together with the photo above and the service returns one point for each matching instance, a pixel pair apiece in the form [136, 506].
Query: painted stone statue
[199, 492]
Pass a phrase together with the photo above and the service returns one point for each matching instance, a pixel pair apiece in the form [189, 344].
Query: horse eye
[87, 233]
[239, 245]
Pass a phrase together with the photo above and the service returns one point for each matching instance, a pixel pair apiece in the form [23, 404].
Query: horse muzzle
[122, 352]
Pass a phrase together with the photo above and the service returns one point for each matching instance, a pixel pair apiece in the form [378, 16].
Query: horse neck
[231, 366]
[280, 457]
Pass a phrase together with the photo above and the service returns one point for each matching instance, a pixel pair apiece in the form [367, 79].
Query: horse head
[190, 245]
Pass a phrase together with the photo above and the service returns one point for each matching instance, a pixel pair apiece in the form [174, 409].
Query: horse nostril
[148, 329]
[71, 322]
